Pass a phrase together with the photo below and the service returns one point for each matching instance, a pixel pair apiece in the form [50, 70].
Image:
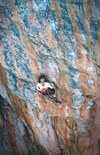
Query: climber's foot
[58, 101]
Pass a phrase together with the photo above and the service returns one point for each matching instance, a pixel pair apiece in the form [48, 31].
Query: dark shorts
[49, 92]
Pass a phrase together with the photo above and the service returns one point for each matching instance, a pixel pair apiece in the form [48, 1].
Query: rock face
[62, 40]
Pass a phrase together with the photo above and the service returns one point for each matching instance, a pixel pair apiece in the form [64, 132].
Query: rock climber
[45, 87]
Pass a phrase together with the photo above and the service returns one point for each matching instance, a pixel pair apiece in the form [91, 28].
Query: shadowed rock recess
[60, 38]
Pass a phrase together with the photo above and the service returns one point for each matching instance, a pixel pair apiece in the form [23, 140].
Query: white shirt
[47, 85]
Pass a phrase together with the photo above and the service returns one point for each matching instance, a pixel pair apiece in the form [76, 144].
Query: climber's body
[43, 86]
[46, 88]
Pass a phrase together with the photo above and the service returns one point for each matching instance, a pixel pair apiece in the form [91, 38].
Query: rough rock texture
[60, 38]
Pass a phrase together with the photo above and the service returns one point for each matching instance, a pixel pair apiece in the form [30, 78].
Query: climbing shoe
[58, 101]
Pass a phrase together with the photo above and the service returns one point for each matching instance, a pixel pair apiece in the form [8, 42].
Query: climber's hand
[44, 90]
[40, 93]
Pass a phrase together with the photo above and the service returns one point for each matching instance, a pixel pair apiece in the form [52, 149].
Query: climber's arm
[40, 91]
[43, 90]
[38, 88]
[51, 85]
